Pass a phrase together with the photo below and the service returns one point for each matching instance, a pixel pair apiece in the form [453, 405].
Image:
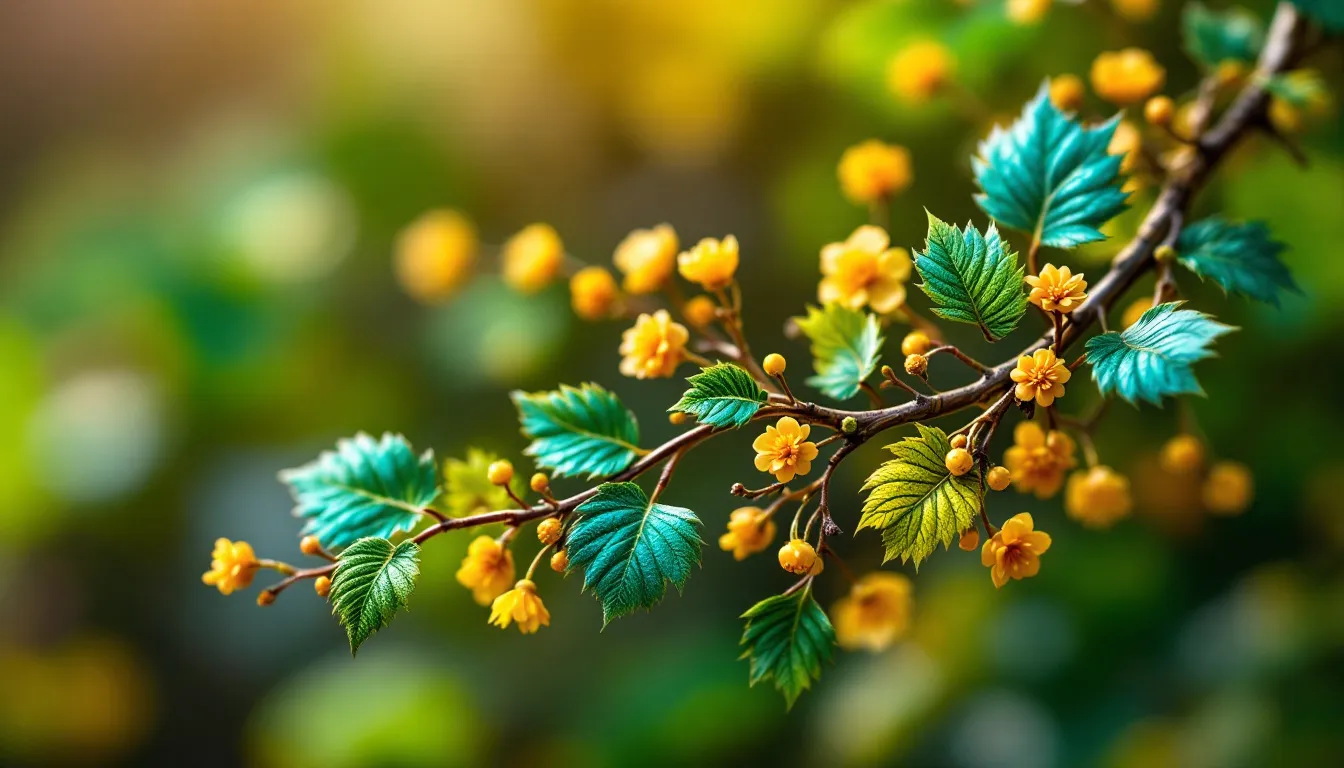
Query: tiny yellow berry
[677, 418]
[1230, 72]
[1183, 454]
[919, 71]
[435, 254]
[774, 364]
[322, 585]
[1164, 254]
[959, 461]
[798, 557]
[265, 597]
[532, 258]
[1067, 92]
[593, 293]
[548, 531]
[500, 472]
[998, 478]
[970, 540]
[560, 561]
[1159, 110]
[916, 365]
[310, 545]
[539, 482]
[700, 311]
[1228, 488]
[959, 441]
[916, 343]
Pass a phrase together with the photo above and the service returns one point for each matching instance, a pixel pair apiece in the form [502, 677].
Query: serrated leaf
[916, 501]
[578, 431]
[1212, 37]
[1328, 13]
[1049, 173]
[972, 278]
[722, 395]
[373, 580]
[1242, 258]
[365, 487]
[467, 488]
[1152, 358]
[845, 348]
[629, 549]
[788, 637]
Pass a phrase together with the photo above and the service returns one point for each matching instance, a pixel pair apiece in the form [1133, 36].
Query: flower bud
[1164, 254]
[540, 482]
[850, 425]
[774, 364]
[959, 461]
[310, 545]
[677, 418]
[1158, 110]
[916, 343]
[265, 597]
[560, 561]
[916, 365]
[798, 557]
[959, 441]
[970, 539]
[998, 478]
[548, 531]
[322, 585]
[500, 472]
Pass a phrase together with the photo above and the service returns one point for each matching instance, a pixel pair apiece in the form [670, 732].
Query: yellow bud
[548, 531]
[774, 364]
[500, 472]
[532, 258]
[435, 254]
[1067, 92]
[677, 418]
[872, 171]
[592, 293]
[970, 539]
[998, 478]
[849, 425]
[322, 586]
[1027, 11]
[1159, 110]
[265, 598]
[959, 441]
[560, 561]
[699, 311]
[1230, 73]
[1228, 488]
[309, 545]
[540, 482]
[916, 365]
[798, 557]
[1127, 76]
[919, 71]
[916, 343]
[959, 461]
[1182, 454]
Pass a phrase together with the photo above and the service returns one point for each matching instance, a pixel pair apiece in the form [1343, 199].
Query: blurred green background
[197, 208]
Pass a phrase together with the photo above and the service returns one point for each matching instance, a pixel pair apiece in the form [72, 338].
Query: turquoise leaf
[787, 638]
[1212, 37]
[1242, 258]
[722, 395]
[578, 431]
[1151, 359]
[972, 278]
[845, 348]
[1328, 13]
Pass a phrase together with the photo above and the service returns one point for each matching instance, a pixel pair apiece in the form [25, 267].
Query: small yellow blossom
[523, 605]
[487, 570]
[1228, 488]
[916, 365]
[1027, 11]
[1135, 310]
[1057, 290]
[1067, 92]
[647, 257]
[654, 347]
[919, 71]
[700, 311]
[592, 293]
[1015, 551]
[434, 255]
[784, 451]
[875, 614]
[873, 171]
[233, 565]
[548, 530]
[916, 343]
[750, 531]
[1182, 454]
[863, 271]
[1135, 10]
[1041, 377]
[532, 258]
[1127, 142]
[1127, 76]
[1097, 497]
[1036, 461]
[799, 558]
[1159, 110]
[711, 263]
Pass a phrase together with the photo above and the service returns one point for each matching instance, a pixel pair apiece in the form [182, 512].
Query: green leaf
[1328, 13]
[1212, 37]
[365, 487]
[630, 548]
[972, 278]
[722, 395]
[787, 639]
[1152, 357]
[467, 490]
[373, 580]
[845, 348]
[1242, 258]
[578, 431]
[1049, 173]
[1300, 88]
[916, 501]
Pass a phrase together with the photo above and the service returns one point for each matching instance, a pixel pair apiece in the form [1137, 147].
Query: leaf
[787, 639]
[1212, 37]
[466, 488]
[1152, 357]
[1300, 88]
[365, 487]
[1328, 13]
[972, 278]
[373, 580]
[578, 431]
[722, 395]
[845, 348]
[916, 501]
[630, 548]
[1050, 174]
[1242, 258]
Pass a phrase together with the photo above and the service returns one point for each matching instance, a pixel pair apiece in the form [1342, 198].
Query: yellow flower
[799, 558]
[521, 604]
[875, 614]
[654, 347]
[1135, 10]
[1027, 11]
[647, 257]
[1126, 141]
[873, 171]
[711, 263]
[1135, 310]
[864, 271]
[487, 570]
[699, 311]
[783, 450]
[1182, 454]
[1057, 290]
[749, 531]
[592, 293]
[1228, 488]
[532, 258]
[1097, 497]
[434, 255]
[1015, 551]
[1036, 461]
[1066, 92]
[919, 70]
[1127, 76]
[232, 566]
[1041, 376]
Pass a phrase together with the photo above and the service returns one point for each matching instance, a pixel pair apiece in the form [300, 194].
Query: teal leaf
[373, 580]
[722, 395]
[1049, 173]
[630, 548]
[578, 431]
[1212, 37]
[845, 348]
[972, 278]
[365, 487]
[916, 501]
[1328, 13]
[787, 638]
[1152, 358]
[1242, 258]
